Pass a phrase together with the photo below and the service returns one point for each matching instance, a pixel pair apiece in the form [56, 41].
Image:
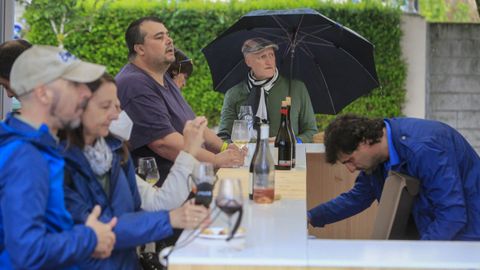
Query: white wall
[414, 49]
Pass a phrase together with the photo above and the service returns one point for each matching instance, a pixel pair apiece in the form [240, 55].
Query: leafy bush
[194, 24]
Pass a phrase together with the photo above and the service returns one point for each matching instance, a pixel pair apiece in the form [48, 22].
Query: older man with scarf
[264, 89]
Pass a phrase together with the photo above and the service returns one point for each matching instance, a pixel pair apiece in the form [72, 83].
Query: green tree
[450, 10]
[65, 17]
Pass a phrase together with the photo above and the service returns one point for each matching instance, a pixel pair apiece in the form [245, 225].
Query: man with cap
[36, 231]
[264, 89]
[154, 103]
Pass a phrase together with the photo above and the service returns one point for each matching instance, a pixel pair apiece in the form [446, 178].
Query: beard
[376, 161]
[67, 124]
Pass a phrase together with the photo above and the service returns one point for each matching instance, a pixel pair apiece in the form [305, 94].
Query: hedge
[194, 24]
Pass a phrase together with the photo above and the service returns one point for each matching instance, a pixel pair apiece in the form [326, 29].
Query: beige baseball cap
[43, 64]
[257, 44]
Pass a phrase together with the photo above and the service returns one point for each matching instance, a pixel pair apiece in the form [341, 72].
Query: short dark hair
[182, 64]
[134, 36]
[9, 51]
[346, 132]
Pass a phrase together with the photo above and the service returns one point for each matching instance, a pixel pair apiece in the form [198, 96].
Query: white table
[393, 254]
[275, 235]
[276, 238]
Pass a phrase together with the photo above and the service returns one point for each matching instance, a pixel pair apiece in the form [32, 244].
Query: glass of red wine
[204, 178]
[230, 201]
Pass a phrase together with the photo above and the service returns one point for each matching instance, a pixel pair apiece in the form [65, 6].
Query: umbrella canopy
[335, 63]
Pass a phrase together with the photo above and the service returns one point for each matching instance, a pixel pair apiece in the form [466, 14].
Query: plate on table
[220, 233]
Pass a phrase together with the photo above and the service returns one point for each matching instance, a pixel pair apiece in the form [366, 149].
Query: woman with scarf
[100, 171]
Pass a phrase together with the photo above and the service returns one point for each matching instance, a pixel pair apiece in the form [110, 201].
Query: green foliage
[194, 24]
[63, 18]
[447, 11]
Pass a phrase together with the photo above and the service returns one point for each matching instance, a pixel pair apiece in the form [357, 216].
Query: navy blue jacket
[448, 205]
[135, 226]
[36, 230]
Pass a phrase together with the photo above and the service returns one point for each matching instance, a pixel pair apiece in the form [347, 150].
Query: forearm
[345, 205]
[206, 156]
[212, 141]
[137, 228]
[169, 146]
[174, 190]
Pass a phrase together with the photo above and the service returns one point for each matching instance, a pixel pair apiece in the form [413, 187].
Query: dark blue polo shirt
[156, 111]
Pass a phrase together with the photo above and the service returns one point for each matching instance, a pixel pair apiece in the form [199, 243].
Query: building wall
[453, 77]
[414, 42]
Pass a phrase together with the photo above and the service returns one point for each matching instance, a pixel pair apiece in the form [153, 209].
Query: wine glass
[230, 199]
[246, 113]
[148, 170]
[240, 134]
[203, 176]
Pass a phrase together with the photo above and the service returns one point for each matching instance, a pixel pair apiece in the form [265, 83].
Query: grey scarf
[99, 156]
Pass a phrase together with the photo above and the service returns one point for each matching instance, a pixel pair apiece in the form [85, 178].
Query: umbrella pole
[291, 72]
[292, 56]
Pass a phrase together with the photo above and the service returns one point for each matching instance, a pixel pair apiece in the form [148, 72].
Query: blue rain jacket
[36, 231]
[448, 205]
[135, 226]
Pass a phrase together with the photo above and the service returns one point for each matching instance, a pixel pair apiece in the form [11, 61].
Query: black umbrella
[335, 63]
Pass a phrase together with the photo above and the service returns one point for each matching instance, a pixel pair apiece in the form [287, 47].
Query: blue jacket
[36, 231]
[448, 205]
[135, 227]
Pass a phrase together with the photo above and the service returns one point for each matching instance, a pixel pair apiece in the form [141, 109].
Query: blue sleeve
[140, 227]
[24, 195]
[441, 192]
[133, 228]
[129, 171]
[359, 198]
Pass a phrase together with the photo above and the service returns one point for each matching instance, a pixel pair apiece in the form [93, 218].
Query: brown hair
[182, 64]
[346, 132]
[75, 136]
[9, 51]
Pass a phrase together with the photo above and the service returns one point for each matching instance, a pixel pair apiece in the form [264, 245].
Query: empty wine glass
[203, 176]
[148, 170]
[246, 114]
[230, 200]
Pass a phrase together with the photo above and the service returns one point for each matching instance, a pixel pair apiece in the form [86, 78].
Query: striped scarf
[265, 86]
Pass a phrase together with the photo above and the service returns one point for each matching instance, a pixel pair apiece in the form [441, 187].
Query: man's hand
[193, 135]
[105, 236]
[234, 147]
[190, 216]
[230, 158]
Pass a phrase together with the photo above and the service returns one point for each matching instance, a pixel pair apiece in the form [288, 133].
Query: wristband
[224, 146]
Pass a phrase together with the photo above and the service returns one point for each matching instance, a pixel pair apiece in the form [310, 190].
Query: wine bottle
[263, 170]
[284, 142]
[290, 129]
[250, 182]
